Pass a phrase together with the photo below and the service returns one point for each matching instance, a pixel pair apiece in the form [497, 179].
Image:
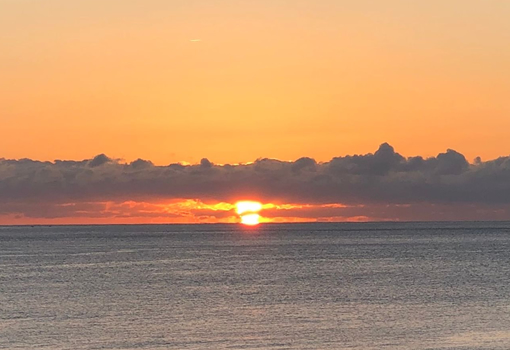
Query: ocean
[366, 286]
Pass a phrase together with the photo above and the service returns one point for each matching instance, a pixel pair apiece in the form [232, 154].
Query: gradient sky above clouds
[267, 78]
[212, 82]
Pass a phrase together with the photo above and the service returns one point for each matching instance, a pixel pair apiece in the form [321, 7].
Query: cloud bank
[384, 178]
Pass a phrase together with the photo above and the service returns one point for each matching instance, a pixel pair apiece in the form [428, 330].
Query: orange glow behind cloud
[176, 211]
[197, 212]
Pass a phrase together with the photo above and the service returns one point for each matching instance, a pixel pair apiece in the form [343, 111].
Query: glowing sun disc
[250, 219]
[248, 207]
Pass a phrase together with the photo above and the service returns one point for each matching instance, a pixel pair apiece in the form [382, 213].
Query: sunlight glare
[248, 207]
[250, 219]
[248, 211]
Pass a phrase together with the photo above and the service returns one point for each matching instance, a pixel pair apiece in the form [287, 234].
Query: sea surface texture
[372, 286]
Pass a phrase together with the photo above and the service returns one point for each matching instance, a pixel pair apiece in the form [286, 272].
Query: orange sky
[233, 81]
[279, 79]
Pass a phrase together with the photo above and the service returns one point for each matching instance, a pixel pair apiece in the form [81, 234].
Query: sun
[248, 211]
[250, 219]
[248, 207]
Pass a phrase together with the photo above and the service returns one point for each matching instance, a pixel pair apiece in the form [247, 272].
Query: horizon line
[264, 223]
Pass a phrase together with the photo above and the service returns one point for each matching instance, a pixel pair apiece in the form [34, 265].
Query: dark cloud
[303, 164]
[205, 163]
[382, 178]
[99, 160]
[141, 164]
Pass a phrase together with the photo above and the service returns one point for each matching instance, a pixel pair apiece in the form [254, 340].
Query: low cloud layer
[384, 178]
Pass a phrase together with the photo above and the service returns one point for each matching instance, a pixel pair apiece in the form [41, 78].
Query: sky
[232, 82]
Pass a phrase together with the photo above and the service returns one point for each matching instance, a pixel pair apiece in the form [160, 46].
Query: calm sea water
[300, 286]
